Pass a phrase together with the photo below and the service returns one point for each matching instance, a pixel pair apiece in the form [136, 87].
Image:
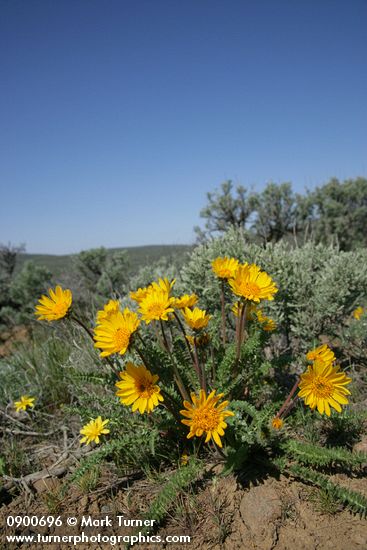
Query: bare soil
[10, 337]
[220, 514]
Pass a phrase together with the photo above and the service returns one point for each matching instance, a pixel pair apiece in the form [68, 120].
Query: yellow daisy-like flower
[188, 300]
[225, 268]
[113, 335]
[196, 318]
[139, 294]
[358, 312]
[108, 311]
[163, 284]
[55, 306]
[24, 402]
[322, 386]
[203, 415]
[138, 388]
[252, 283]
[156, 306]
[93, 430]
[277, 423]
[267, 323]
[321, 353]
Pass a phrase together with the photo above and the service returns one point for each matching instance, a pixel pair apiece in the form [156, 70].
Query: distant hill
[138, 257]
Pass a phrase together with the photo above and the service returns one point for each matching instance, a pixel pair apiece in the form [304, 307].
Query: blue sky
[116, 117]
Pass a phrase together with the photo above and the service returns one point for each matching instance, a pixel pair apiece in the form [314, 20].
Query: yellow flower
[358, 312]
[113, 335]
[55, 306]
[322, 386]
[270, 325]
[156, 306]
[321, 353]
[225, 268]
[188, 300]
[138, 388]
[277, 423]
[252, 283]
[196, 318]
[108, 311]
[93, 430]
[163, 284]
[184, 459]
[24, 402]
[267, 323]
[203, 415]
[139, 295]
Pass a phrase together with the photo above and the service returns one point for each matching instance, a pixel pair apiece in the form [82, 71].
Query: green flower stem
[223, 315]
[140, 338]
[176, 374]
[81, 324]
[165, 341]
[219, 451]
[197, 447]
[170, 406]
[200, 368]
[141, 355]
[243, 321]
[158, 334]
[238, 325]
[213, 373]
[90, 334]
[184, 334]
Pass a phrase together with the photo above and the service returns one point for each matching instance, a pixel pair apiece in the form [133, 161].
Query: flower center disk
[122, 337]
[322, 388]
[207, 420]
[250, 289]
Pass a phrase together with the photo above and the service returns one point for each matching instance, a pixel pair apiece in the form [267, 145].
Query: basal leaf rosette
[252, 284]
[113, 333]
[204, 415]
[54, 306]
[323, 386]
[138, 387]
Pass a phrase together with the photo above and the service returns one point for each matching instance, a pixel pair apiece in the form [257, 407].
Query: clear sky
[117, 116]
